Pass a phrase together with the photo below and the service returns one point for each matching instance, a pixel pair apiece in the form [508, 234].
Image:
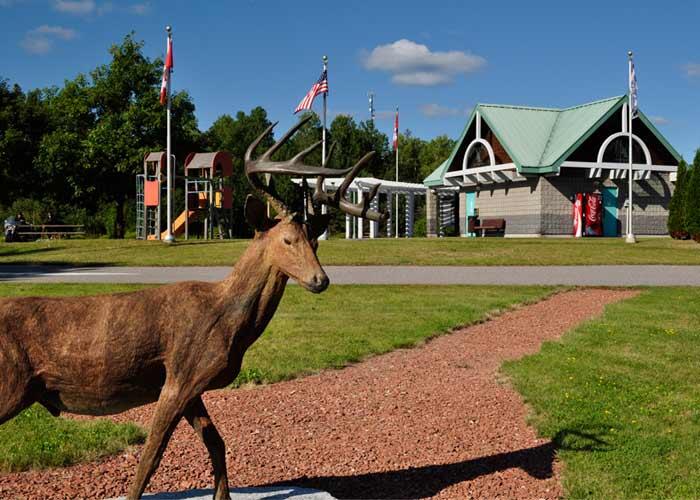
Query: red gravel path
[426, 422]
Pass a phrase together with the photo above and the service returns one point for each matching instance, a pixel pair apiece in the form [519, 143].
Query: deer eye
[287, 241]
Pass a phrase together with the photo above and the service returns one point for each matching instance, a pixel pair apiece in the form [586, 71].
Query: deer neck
[251, 293]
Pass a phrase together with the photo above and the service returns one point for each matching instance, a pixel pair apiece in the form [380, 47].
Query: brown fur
[104, 354]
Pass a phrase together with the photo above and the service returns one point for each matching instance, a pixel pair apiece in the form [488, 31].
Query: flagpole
[169, 238]
[630, 233]
[396, 210]
[324, 236]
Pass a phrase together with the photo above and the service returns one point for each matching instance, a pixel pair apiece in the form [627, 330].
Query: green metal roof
[538, 140]
[538, 137]
[435, 178]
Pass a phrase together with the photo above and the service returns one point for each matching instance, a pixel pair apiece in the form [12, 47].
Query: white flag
[633, 90]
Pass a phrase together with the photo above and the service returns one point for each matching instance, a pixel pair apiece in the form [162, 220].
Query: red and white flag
[320, 87]
[167, 68]
[396, 131]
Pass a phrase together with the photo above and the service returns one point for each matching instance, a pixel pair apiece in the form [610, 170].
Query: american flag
[395, 139]
[319, 87]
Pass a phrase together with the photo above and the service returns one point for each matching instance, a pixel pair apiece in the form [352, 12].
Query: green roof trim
[539, 140]
[435, 178]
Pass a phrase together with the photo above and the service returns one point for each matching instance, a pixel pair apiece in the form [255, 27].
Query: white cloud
[692, 69]
[41, 40]
[75, 6]
[57, 31]
[140, 9]
[412, 63]
[659, 120]
[433, 110]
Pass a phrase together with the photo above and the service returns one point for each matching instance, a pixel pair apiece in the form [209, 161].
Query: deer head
[291, 241]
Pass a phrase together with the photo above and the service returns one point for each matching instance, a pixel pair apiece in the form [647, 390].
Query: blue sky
[433, 59]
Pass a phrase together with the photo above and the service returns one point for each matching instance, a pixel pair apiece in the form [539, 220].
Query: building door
[610, 221]
[471, 204]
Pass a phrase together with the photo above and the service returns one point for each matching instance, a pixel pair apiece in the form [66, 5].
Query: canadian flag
[396, 130]
[167, 68]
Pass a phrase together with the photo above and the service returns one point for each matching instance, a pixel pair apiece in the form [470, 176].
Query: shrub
[676, 209]
[692, 199]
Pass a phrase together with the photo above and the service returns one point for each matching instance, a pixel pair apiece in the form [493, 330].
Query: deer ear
[318, 225]
[256, 214]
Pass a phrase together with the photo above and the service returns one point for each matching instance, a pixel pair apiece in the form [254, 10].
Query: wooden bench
[485, 225]
[50, 230]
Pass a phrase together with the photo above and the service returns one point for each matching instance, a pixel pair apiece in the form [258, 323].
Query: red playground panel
[152, 193]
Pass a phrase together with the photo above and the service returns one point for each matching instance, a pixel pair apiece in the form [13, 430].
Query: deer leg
[14, 382]
[197, 416]
[169, 408]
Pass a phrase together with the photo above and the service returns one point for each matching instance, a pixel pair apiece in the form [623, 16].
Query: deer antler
[296, 166]
[338, 199]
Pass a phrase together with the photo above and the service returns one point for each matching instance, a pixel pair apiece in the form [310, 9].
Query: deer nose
[319, 282]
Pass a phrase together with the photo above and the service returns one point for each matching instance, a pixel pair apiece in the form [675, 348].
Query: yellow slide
[179, 223]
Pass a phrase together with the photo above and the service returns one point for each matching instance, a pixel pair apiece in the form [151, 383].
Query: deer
[104, 354]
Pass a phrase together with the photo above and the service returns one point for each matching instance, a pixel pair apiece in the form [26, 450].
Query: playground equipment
[207, 199]
[206, 195]
[149, 192]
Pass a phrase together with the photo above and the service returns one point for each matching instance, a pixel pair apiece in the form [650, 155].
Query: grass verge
[35, 439]
[383, 251]
[619, 396]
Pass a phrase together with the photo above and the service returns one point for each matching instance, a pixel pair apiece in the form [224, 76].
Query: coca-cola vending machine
[594, 214]
[577, 215]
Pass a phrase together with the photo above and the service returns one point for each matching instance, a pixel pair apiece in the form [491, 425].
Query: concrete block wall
[650, 209]
[518, 203]
[462, 213]
[431, 217]
[650, 199]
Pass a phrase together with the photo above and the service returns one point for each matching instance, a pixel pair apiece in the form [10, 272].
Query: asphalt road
[382, 275]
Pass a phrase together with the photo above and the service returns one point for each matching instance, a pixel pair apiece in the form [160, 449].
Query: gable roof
[538, 140]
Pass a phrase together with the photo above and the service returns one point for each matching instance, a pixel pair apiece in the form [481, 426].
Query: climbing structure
[148, 196]
[207, 198]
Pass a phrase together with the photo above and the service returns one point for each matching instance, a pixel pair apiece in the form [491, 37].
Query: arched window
[478, 156]
[618, 151]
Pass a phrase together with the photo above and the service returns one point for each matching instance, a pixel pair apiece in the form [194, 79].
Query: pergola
[360, 187]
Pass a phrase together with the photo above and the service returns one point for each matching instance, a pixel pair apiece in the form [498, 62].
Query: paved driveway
[382, 275]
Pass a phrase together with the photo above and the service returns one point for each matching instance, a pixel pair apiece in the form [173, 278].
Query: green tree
[130, 122]
[434, 152]
[410, 152]
[23, 121]
[692, 199]
[370, 138]
[234, 135]
[676, 208]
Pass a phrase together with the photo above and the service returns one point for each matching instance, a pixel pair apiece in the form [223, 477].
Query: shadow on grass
[9, 251]
[427, 481]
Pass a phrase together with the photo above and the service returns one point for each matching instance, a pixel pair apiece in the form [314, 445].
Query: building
[525, 165]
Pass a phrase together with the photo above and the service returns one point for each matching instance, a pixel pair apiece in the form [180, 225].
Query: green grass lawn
[416, 251]
[620, 396]
[308, 333]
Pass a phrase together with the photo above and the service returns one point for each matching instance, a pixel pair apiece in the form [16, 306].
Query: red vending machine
[578, 215]
[594, 214]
